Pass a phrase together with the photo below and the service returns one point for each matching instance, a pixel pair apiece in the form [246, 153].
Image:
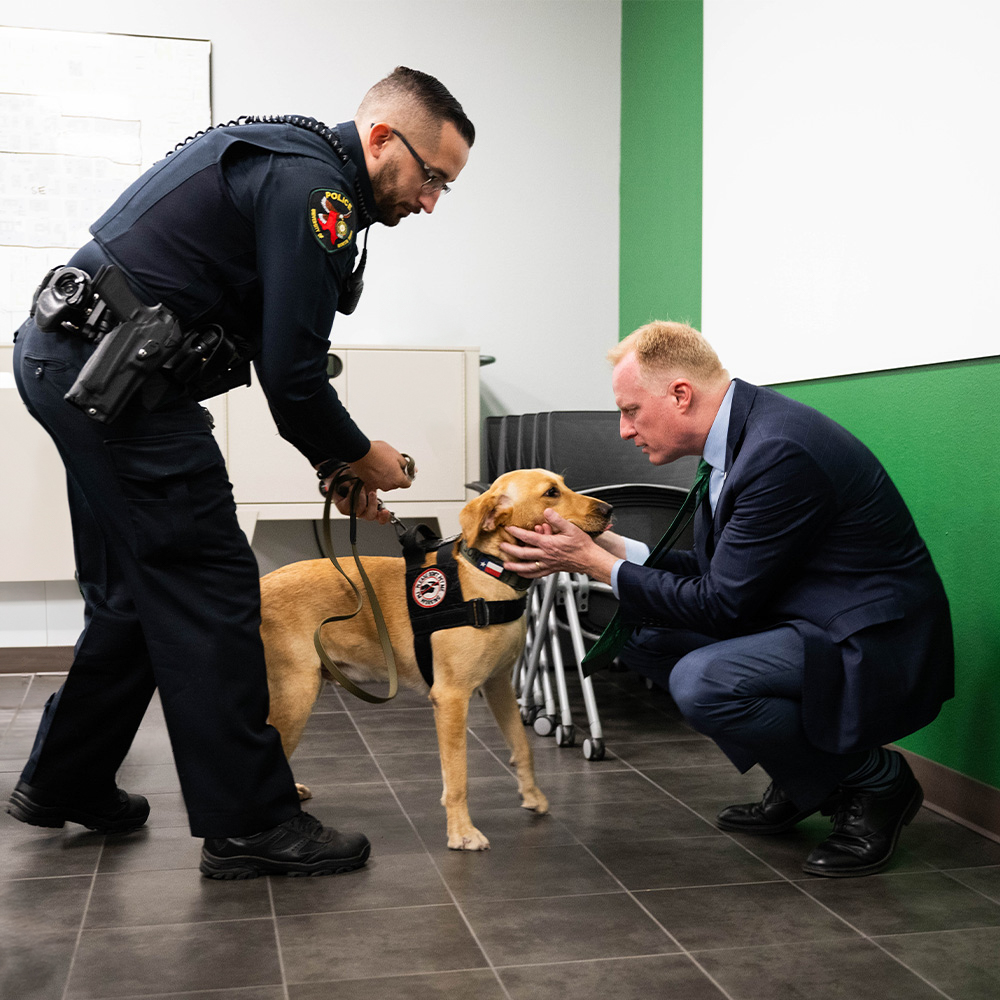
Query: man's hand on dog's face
[556, 546]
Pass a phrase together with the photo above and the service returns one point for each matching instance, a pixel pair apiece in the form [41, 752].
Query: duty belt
[134, 341]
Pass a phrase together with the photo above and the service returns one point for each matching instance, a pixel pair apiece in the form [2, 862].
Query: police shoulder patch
[331, 219]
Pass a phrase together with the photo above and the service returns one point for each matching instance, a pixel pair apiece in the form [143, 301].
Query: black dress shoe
[121, 813]
[775, 813]
[299, 846]
[866, 828]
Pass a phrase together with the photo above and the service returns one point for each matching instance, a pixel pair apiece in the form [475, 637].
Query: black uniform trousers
[172, 601]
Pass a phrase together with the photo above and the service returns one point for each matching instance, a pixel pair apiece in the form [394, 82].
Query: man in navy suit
[806, 629]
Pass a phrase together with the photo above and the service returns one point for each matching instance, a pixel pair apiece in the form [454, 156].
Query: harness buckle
[480, 612]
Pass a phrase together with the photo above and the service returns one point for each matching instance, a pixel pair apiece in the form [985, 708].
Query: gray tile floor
[625, 890]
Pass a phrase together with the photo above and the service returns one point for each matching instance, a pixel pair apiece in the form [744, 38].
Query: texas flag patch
[331, 219]
[494, 569]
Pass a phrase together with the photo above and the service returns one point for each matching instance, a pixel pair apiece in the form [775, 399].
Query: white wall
[851, 203]
[521, 260]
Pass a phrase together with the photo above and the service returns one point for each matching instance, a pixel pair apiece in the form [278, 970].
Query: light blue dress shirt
[715, 455]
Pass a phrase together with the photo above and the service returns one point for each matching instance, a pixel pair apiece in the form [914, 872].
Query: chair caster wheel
[545, 725]
[593, 749]
[529, 713]
[565, 735]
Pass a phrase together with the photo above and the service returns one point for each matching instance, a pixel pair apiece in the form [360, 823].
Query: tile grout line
[433, 860]
[20, 707]
[947, 872]
[803, 885]
[871, 940]
[83, 918]
[277, 939]
[780, 875]
[801, 888]
[97, 862]
[627, 892]
[631, 895]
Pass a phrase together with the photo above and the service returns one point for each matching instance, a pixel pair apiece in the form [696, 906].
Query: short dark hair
[433, 97]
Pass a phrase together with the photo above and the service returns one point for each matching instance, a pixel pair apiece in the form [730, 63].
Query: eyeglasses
[434, 182]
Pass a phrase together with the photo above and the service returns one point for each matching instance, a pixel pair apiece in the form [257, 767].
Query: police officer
[252, 228]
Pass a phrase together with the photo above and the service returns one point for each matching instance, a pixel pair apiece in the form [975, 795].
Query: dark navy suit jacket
[809, 529]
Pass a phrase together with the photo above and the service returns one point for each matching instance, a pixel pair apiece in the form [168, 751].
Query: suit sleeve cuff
[614, 576]
[636, 551]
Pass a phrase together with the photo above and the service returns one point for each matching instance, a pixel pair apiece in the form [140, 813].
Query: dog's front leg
[451, 709]
[503, 705]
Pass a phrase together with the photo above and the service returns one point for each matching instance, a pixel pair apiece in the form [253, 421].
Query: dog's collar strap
[491, 567]
[434, 601]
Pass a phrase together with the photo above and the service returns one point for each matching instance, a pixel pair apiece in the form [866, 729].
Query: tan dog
[297, 597]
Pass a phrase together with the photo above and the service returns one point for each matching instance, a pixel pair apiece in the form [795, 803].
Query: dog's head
[520, 498]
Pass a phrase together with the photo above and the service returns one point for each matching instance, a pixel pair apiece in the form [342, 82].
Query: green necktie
[617, 632]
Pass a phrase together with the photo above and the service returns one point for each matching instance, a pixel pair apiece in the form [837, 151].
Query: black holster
[139, 346]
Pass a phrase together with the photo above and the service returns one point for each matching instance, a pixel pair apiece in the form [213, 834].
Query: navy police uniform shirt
[253, 227]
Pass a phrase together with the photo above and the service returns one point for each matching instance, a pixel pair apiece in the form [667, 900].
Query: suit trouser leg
[746, 694]
[179, 604]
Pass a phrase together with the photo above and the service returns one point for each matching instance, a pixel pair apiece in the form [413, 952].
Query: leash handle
[383, 633]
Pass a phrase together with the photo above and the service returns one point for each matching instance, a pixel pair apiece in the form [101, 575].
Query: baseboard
[35, 659]
[946, 791]
[957, 796]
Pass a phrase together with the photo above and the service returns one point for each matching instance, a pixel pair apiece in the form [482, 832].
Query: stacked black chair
[489, 450]
[586, 447]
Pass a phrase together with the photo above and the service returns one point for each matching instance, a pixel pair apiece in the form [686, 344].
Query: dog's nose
[604, 509]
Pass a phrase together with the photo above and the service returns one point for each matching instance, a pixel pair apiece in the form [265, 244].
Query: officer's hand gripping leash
[346, 484]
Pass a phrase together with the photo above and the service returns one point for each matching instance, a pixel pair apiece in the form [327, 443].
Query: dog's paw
[535, 801]
[470, 840]
[303, 791]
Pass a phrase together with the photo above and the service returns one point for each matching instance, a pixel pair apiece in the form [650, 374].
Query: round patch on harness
[429, 588]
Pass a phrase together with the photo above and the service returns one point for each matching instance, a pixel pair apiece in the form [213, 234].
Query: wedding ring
[538, 565]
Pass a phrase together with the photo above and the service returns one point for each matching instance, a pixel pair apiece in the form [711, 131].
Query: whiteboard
[81, 116]
[851, 195]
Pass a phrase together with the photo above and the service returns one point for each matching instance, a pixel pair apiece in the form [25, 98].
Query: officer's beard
[389, 203]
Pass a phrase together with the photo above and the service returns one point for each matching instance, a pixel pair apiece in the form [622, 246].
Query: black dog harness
[434, 593]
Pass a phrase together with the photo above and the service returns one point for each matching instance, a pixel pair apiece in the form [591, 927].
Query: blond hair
[665, 348]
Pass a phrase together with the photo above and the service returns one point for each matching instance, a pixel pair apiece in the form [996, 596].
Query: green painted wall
[934, 427]
[660, 258]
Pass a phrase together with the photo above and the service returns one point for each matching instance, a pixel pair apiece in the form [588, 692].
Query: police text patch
[331, 219]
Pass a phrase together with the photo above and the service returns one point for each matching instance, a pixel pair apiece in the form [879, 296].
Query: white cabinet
[36, 541]
[423, 401]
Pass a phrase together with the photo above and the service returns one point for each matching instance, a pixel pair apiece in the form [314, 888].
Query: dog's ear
[484, 514]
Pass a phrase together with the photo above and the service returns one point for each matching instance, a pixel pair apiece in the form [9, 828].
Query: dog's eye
[552, 491]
